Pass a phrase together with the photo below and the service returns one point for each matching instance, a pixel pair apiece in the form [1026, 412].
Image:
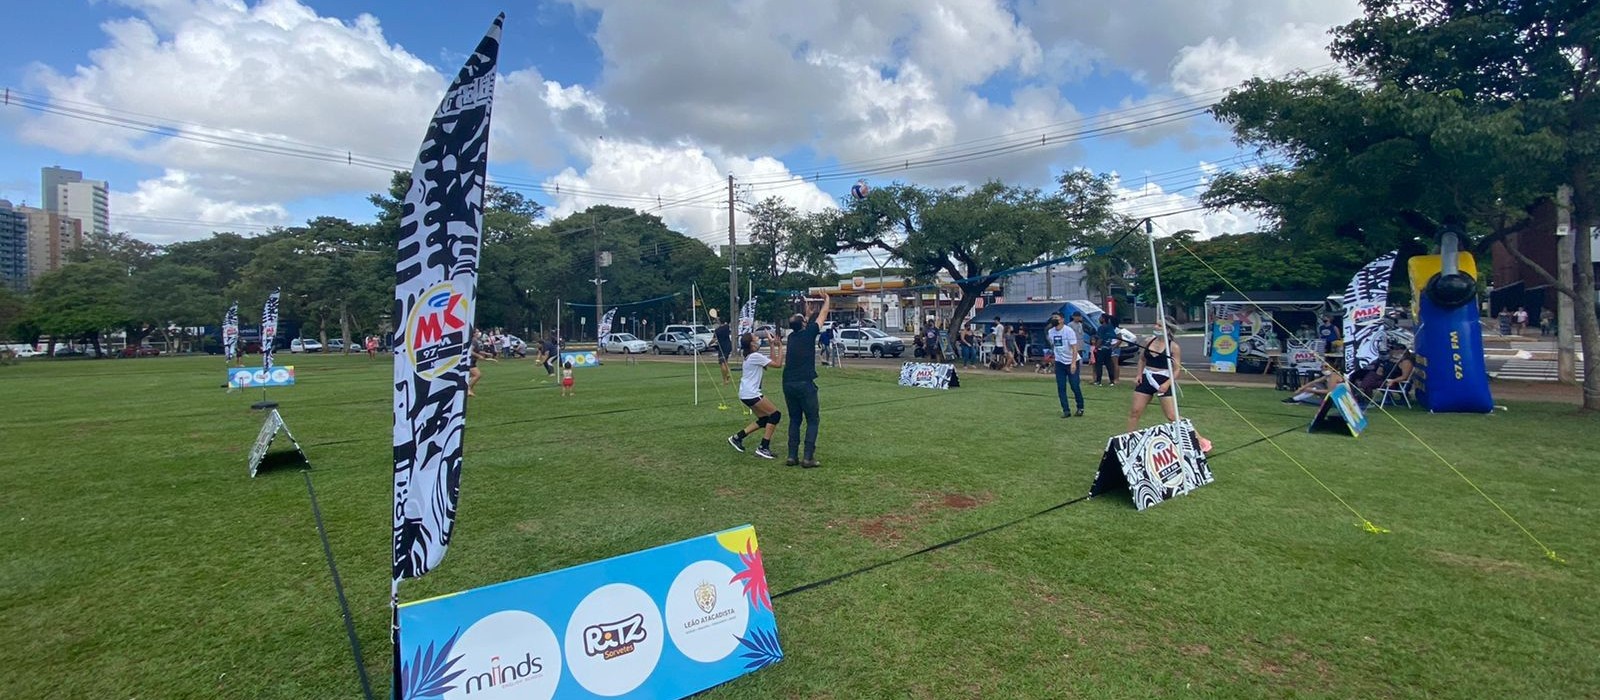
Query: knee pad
[761, 421]
[775, 418]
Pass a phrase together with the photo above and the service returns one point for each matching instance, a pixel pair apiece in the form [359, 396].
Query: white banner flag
[604, 331]
[269, 329]
[1364, 301]
[230, 332]
[436, 278]
[747, 316]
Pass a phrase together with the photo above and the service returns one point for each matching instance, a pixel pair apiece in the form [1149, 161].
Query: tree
[969, 234]
[171, 295]
[119, 247]
[1252, 262]
[772, 221]
[1472, 112]
[13, 315]
[82, 300]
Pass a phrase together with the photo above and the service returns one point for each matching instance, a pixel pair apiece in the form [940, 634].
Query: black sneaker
[737, 442]
[790, 462]
[764, 453]
[1066, 415]
[809, 464]
[1080, 413]
[1290, 400]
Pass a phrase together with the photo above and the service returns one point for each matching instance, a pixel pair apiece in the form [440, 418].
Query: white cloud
[683, 175]
[157, 210]
[1176, 206]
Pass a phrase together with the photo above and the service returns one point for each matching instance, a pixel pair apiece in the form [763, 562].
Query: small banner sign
[580, 359]
[253, 377]
[928, 375]
[269, 430]
[666, 622]
[1339, 412]
[1303, 355]
[1225, 346]
[1153, 464]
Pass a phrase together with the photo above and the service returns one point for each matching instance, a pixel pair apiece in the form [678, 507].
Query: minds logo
[613, 639]
[505, 674]
[436, 331]
[1163, 462]
[507, 654]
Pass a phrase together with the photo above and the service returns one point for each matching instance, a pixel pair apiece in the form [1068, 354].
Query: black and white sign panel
[269, 430]
[1153, 464]
[929, 375]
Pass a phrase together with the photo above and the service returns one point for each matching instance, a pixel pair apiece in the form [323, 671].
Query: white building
[66, 193]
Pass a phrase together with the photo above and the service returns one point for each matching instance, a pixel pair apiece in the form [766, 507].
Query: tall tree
[82, 301]
[1467, 110]
[970, 234]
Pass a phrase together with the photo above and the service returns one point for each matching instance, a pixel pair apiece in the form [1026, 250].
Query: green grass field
[141, 561]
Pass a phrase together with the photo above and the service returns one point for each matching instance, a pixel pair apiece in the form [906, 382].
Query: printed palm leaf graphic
[754, 576]
[429, 675]
[764, 649]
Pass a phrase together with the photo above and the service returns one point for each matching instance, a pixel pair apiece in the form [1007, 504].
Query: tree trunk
[96, 338]
[969, 298]
[344, 326]
[1580, 292]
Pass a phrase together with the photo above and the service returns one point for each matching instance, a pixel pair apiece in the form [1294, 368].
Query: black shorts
[722, 354]
[751, 402]
[1145, 387]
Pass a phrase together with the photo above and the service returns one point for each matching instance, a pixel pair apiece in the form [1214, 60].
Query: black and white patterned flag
[1364, 301]
[747, 316]
[436, 278]
[269, 329]
[230, 332]
[604, 331]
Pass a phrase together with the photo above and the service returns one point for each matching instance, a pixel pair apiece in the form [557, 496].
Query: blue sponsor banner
[1225, 346]
[1351, 417]
[253, 377]
[580, 359]
[666, 622]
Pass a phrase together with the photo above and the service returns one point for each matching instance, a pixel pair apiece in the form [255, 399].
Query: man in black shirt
[724, 349]
[799, 382]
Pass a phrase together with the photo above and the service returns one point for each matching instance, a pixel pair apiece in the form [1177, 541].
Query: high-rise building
[50, 237]
[65, 192]
[13, 247]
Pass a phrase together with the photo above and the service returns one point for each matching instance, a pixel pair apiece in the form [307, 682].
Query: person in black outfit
[724, 349]
[800, 383]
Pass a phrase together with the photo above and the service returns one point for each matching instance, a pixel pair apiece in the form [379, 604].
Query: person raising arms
[800, 382]
[767, 414]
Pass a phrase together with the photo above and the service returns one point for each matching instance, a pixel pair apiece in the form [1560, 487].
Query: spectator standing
[1547, 322]
[1520, 319]
[1064, 347]
[1109, 350]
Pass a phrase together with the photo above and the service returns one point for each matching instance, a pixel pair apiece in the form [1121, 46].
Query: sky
[271, 112]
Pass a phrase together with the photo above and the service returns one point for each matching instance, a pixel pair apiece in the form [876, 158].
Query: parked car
[69, 351]
[336, 345]
[870, 341]
[669, 343]
[699, 331]
[304, 345]
[140, 351]
[626, 343]
[27, 352]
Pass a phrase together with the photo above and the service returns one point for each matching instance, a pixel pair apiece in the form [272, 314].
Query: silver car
[676, 344]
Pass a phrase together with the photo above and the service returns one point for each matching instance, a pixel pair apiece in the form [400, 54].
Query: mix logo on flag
[603, 332]
[1363, 313]
[269, 328]
[230, 332]
[436, 279]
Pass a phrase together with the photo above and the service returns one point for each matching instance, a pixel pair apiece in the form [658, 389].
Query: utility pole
[1566, 350]
[599, 295]
[733, 273]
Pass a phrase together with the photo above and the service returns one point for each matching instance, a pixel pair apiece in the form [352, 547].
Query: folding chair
[1402, 392]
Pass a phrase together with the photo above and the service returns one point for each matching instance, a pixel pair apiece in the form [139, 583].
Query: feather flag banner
[436, 279]
[230, 333]
[747, 316]
[269, 329]
[1363, 313]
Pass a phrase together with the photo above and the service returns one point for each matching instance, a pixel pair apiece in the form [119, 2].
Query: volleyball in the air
[860, 189]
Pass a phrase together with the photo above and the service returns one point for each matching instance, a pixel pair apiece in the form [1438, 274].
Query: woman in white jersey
[767, 413]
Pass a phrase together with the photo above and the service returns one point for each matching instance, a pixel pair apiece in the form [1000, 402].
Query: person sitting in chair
[1313, 391]
[1392, 371]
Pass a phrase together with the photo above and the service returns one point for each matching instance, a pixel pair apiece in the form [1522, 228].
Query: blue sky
[621, 102]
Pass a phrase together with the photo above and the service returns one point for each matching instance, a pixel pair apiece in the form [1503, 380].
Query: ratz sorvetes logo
[613, 639]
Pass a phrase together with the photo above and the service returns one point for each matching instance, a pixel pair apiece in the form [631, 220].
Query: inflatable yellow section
[1423, 267]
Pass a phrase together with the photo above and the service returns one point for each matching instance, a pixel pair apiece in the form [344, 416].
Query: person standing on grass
[1109, 351]
[1160, 361]
[566, 379]
[998, 354]
[724, 350]
[551, 352]
[1064, 348]
[800, 383]
[1521, 319]
[767, 414]
[478, 351]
